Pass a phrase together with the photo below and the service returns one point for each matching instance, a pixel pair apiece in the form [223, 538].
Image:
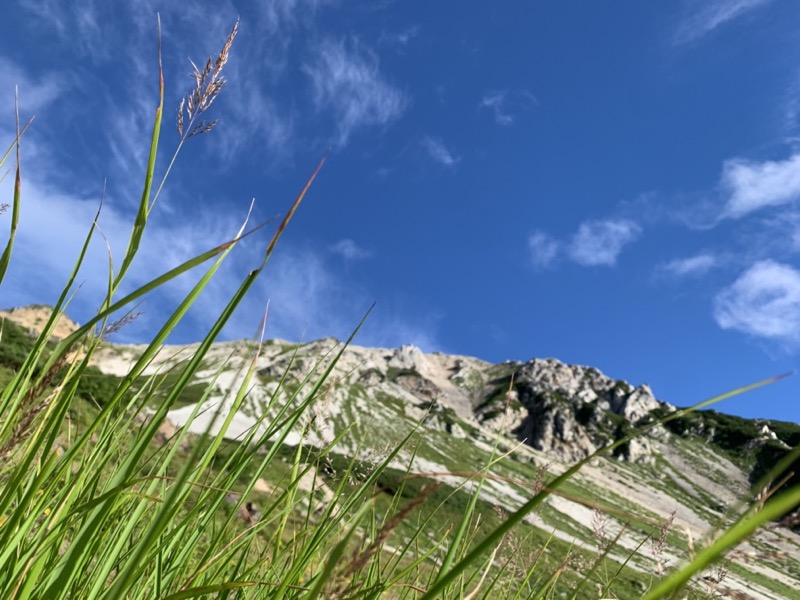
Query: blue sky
[614, 185]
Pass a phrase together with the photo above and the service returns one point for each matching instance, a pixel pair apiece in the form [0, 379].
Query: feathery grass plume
[712, 582]
[30, 408]
[600, 527]
[119, 324]
[207, 85]
[657, 544]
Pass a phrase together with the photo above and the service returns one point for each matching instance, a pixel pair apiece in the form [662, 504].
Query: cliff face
[572, 411]
[462, 413]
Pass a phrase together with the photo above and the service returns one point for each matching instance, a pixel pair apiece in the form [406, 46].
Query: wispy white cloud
[496, 101]
[35, 93]
[501, 103]
[705, 17]
[764, 302]
[439, 152]
[543, 249]
[750, 185]
[744, 187]
[594, 244]
[791, 108]
[51, 13]
[88, 25]
[53, 226]
[281, 16]
[691, 266]
[254, 121]
[308, 297]
[347, 82]
[399, 39]
[129, 133]
[599, 243]
[253, 118]
[349, 250]
[308, 288]
[278, 26]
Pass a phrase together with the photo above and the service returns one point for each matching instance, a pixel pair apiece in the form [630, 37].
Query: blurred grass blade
[141, 216]
[206, 590]
[13, 144]
[5, 258]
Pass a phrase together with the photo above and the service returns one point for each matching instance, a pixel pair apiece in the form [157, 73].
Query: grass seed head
[657, 544]
[208, 83]
[116, 326]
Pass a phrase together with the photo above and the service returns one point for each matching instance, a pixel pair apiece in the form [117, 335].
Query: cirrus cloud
[501, 102]
[347, 82]
[712, 15]
[439, 152]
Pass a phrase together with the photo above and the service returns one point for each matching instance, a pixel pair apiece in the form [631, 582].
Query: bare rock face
[508, 419]
[634, 405]
[639, 450]
[572, 411]
[551, 426]
[466, 376]
[408, 358]
[566, 410]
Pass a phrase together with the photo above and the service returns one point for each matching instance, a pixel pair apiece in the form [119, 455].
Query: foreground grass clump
[98, 500]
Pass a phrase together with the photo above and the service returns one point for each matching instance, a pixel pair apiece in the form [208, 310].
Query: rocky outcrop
[573, 411]
[551, 426]
[567, 411]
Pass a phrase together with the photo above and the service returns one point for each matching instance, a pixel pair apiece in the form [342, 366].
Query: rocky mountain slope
[462, 414]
